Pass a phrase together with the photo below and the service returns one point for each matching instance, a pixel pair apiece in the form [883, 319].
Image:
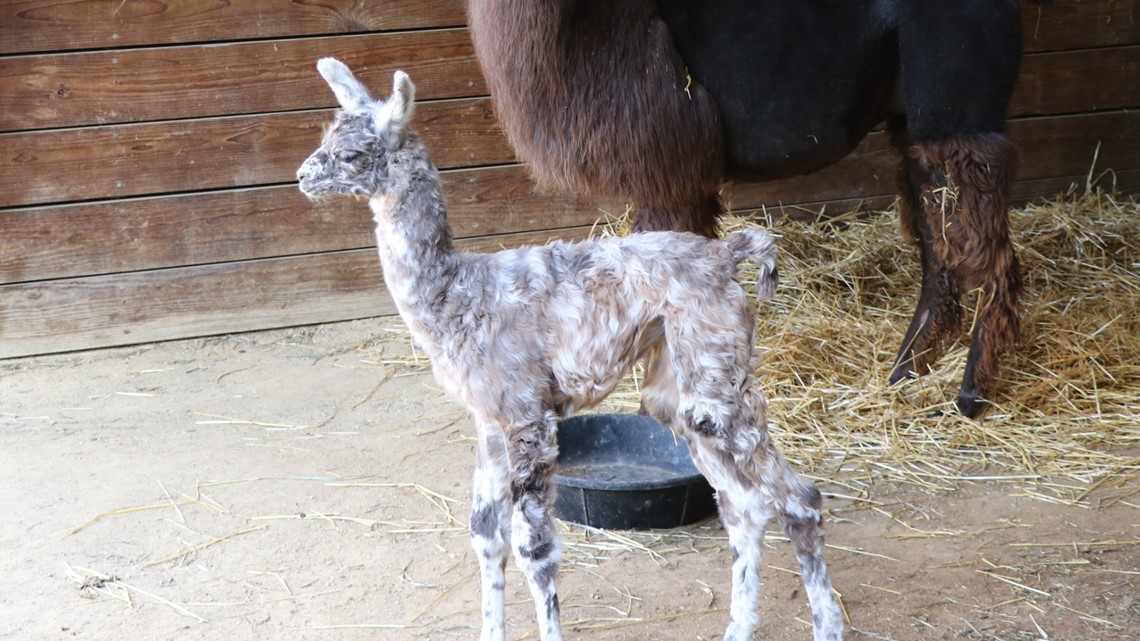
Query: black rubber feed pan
[627, 472]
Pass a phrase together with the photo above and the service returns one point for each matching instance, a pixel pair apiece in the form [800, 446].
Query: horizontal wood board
[263, 222]
[99, 163]
[1076, 81]
[148, 147]
[146, 85]
[1056, 25]
[219, 226]
[213, 153]
[60, 25]
[201, 300]
[207, 299]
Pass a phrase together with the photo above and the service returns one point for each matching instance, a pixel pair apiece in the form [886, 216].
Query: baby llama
[528, 336]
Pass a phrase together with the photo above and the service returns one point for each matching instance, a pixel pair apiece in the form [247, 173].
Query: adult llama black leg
[954, 203]
[959, 62]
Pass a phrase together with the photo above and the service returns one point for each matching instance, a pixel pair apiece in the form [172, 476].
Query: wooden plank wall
[147, 155]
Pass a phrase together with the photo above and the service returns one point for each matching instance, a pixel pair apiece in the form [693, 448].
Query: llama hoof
[971, 404]
[902, 372]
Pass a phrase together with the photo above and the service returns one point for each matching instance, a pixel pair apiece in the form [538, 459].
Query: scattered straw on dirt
[95, 583]
[1062, 428]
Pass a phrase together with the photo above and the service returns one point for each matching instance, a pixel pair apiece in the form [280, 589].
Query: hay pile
[1066, 421]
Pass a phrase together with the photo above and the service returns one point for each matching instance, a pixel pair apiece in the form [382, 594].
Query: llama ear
[394, 114]
[350, 93]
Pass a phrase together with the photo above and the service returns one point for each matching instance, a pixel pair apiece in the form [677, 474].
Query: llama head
[354, 153]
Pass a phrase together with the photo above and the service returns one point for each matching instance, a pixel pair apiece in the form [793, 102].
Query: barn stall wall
[147, 155]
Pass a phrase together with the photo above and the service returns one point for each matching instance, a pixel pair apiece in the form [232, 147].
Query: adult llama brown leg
[595, 99]
[959, 62]
[954, 205]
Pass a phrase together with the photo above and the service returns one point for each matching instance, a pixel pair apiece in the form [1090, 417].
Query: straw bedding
[1066, 420]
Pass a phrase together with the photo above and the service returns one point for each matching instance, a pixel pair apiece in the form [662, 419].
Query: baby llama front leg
[370, 151]
[533, 452]
[511, 506]
[490, 526]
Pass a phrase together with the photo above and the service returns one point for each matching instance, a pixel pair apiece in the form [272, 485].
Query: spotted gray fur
[525, 337]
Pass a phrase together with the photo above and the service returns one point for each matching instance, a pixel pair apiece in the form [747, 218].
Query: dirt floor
[313, 483]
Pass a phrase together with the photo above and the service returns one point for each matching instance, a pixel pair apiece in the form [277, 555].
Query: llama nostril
[307, 168]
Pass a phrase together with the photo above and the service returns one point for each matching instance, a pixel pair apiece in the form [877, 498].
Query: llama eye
[348, 156]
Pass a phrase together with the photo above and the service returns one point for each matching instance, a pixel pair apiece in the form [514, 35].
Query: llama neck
[413, 237]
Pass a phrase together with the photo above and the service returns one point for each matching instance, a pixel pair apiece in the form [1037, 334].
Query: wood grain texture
[1053, 146]
[71, 241]
[142, 307]
[146, 177]
[121, 309]
[130, 160]
[50, 91]
[54, 25]
[57, 25]
[107, 87]
[1053, 26]
[148, 306]
[68, 241]
[1076, 81]
[145, 306]
[1025, 191]
[1126, 181]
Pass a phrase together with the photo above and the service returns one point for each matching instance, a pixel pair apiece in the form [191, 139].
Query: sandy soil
[307, 484]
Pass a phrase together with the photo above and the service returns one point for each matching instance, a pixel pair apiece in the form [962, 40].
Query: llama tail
[751, 242]
[756, 244]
